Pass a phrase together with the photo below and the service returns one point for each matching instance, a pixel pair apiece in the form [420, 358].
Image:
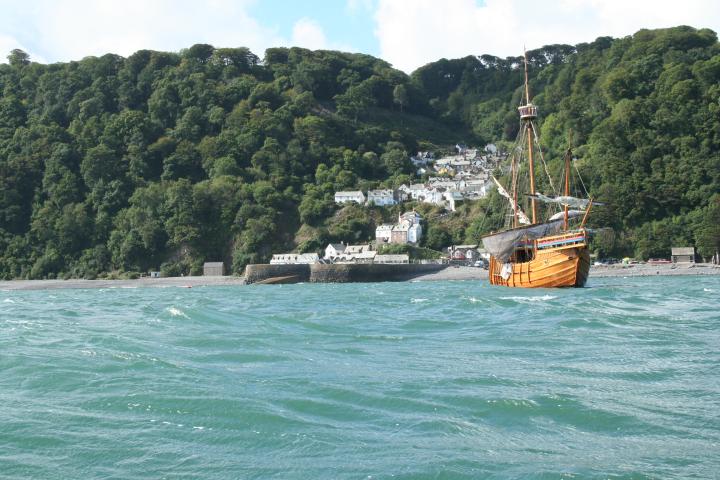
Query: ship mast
[528, 113]
[568, 154]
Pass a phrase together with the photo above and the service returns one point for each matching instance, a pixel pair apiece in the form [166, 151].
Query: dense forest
[113, 165]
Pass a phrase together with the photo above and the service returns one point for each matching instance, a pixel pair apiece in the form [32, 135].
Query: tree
[708, 233]
[355, 101]
[400, 96]
[18, 58]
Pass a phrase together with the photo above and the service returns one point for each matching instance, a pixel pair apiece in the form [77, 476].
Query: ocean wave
[176, 312]
[542, 298]
[326, 371]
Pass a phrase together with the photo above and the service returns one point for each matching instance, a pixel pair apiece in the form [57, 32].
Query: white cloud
[412, 33]
[308, 34]
[7, 44]
[73, 29]
[356, 6]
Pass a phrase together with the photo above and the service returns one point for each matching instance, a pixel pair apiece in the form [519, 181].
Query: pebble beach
[450, 273]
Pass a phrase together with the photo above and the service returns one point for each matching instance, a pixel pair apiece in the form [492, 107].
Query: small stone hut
[683, 254]
[213, 269]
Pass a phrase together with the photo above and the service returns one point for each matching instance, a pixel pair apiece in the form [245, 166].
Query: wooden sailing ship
[531, 252]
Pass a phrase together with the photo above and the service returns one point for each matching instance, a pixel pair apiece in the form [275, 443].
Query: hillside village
[449, 180]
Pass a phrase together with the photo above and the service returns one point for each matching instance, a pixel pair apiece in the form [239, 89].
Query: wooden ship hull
[560, 266]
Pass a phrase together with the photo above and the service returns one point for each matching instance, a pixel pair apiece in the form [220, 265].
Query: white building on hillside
[416, 190]
[433, 195]
[413, 218]
[357, 249]
[381, 197]
[408, 229]
[362, 257]
[414, 234]
[422, 158]
[294, 258]
[383, 233]
[452, 198]
[334, 250]
[353, 196]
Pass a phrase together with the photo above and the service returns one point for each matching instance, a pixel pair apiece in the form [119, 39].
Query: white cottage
[453, 199]
[416, 191]
[361, 257]
[334, 250]
[294, 258]
[382, 197]
[412, 217]
[383, 233]
[357, 249]
[408, 229]
[414, 233]
[351, 196]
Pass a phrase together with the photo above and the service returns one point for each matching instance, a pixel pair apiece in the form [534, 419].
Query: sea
[425, 380]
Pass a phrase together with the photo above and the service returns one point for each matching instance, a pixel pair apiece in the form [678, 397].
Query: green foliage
[114, 164]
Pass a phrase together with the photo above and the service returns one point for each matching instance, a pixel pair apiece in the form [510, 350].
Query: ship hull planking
[558, 267]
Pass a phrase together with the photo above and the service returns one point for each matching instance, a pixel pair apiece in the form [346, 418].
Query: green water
[397, 380]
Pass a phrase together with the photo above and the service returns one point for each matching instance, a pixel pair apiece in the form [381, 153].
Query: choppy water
[398, 380]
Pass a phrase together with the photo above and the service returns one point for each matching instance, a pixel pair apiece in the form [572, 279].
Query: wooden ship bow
[531, 252]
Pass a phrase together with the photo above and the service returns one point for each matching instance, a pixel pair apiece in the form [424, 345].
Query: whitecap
[473, 300]
[8, 300]
[176, 312]
[418, 300]
[542, 298]
[708, 290]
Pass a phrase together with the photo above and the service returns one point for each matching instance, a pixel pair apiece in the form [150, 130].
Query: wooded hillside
[172, 159]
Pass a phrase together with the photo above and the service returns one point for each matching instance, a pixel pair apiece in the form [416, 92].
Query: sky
[406, 33]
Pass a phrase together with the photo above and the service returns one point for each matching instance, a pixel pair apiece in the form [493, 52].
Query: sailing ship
[532, 252]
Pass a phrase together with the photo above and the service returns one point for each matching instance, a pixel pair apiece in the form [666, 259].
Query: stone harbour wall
[337, 273]
[266, 273]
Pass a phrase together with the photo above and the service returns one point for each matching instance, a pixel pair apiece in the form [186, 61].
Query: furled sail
[522, 218]
[501, 245]
[562, 200]
[571, 214]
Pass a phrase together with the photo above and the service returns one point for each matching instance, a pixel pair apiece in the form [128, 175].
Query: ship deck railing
[568, 239]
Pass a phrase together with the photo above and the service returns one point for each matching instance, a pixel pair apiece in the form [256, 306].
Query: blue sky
[406, 33]
[344, 23]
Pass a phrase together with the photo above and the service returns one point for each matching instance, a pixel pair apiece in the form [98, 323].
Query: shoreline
[164, 282]
[449, 273]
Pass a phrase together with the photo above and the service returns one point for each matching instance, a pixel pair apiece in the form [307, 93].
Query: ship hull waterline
[559, 267]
